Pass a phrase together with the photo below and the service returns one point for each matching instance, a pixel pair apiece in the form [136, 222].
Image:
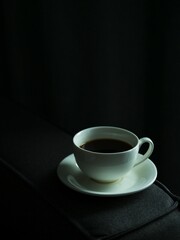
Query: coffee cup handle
[148, 152]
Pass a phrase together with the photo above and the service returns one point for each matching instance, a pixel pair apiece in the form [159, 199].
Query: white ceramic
[138, 179]
[109, 167]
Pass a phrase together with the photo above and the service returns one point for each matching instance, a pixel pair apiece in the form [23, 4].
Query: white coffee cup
[108, 165]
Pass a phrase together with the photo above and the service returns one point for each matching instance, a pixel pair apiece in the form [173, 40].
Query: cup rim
[105, 127]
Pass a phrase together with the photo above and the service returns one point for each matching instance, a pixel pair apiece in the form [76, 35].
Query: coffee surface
[106, 146]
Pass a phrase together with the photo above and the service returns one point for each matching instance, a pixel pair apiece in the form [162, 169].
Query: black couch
[35, 204]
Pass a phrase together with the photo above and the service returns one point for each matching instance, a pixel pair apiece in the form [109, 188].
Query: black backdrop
[104, 62]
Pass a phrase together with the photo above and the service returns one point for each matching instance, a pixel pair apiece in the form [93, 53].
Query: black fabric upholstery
[115, 217]
[26, 214]
[36, 203]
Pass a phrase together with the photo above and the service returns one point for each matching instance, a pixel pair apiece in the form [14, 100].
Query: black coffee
[106, 146]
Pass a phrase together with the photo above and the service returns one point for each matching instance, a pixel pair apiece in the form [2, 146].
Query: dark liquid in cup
[106, 146]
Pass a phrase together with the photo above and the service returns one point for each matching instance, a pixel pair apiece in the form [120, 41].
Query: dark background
[88, 63]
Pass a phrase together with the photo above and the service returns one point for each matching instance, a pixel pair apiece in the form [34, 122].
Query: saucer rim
[97, 193]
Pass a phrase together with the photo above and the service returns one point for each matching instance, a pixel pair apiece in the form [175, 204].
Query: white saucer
[138, 179]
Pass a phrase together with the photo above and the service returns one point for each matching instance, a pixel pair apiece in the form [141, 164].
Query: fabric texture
[32, 148]
[112, 218]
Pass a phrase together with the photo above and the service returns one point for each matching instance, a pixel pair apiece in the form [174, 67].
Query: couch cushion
[31, 149]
